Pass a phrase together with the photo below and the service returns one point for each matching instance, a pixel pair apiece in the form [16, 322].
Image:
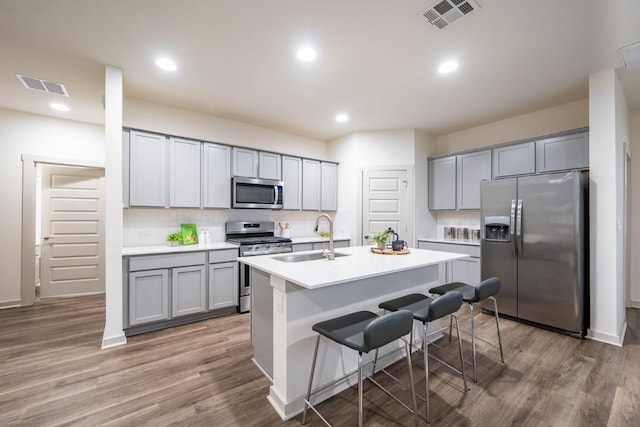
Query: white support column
[113, 328]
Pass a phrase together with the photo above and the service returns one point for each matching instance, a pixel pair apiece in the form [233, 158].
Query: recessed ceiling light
[166, 64]
[447, 67]
[306, 54]
[341, 118]
[60, 107]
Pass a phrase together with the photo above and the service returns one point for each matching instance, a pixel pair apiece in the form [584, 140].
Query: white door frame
[411, 216]
[27, 265]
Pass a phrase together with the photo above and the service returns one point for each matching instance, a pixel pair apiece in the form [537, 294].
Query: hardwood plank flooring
[53, 372]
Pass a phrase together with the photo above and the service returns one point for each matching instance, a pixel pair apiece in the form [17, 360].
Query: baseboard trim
[633, 304]
[616, 340]
[108, 342]
[9, 304]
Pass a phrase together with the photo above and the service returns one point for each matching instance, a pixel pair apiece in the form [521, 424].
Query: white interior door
[384, 202]
[72, 260]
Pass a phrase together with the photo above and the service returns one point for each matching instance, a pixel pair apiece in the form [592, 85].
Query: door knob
[46, 238]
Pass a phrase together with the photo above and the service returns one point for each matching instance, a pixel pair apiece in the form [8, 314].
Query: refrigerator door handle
[519, 235]
[512, 228]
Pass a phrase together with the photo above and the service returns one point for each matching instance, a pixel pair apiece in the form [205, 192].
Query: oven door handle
[275, 194]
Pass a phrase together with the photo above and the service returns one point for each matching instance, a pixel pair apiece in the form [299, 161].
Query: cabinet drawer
[451, 247]
[225, 255]
[152, 262]
[301, 247]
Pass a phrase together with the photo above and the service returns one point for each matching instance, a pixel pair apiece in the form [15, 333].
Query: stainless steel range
[254, 238]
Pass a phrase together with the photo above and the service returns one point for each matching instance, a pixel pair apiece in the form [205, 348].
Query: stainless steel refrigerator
[534, 238]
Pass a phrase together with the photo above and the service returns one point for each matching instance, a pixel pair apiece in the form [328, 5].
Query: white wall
[22, 133]
[426, 222]
[175, 121]
[370, 149]
[608, 126]
[634, 143]
[542, 122]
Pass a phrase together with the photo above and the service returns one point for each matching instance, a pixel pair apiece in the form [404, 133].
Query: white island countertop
[360, 263]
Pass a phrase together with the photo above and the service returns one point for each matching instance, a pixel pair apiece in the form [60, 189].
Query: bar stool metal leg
[360, 389]
[412, 385]
[495, 310]
[464, 376]
[313, 368]
[473, 344]
[425, 353]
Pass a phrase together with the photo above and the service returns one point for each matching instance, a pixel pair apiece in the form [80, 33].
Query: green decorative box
[189, 234]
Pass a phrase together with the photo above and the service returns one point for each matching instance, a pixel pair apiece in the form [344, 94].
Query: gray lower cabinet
[563, 153]
[466, 270]
[148, 296]
[315, 246]
[167, 289]
[188, 288]
[223, 285]
[515, 159]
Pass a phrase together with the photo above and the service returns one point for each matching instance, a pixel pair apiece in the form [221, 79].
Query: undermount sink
[305, 257]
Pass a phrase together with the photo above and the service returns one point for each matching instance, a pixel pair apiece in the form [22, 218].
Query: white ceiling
[377, 59]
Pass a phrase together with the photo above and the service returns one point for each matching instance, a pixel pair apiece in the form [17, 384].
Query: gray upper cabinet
[245, 162]
[292, 178]
[563, 152]
[216, 176]
[188, 287]
[471, 169]
[310, 185]
[184, 173]
[270, 166]
[442, 183]
[147, 169]
[329, 186]
[516, 159]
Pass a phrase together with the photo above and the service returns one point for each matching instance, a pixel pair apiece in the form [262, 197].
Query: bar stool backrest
[387, 328]
[443, 305]
[487, 288]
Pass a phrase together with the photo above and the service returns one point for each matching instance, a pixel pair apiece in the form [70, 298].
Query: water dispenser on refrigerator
[496, 228]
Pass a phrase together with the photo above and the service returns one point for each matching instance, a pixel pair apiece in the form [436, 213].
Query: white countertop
[317, 239]
[451, 242]
[166, 249]
[361, 263]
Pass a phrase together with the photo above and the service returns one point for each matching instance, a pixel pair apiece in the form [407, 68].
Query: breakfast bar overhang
[288, 298]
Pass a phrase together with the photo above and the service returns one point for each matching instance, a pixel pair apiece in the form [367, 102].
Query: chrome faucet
[330, 254]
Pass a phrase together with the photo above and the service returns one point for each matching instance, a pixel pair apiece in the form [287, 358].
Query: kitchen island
[288, 298]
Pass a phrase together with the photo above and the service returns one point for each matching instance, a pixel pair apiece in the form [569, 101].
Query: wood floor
[52, 372]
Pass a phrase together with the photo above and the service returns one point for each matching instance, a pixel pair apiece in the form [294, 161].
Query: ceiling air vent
[42, 85]
[444, 12]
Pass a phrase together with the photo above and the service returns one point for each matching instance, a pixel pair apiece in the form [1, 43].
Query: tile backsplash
[150, 226]
[465, 219]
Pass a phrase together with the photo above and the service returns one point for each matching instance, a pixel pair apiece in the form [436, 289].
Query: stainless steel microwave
[254, 193]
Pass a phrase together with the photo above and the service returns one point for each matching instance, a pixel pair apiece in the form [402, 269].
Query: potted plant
[380, 237]
[174, 238]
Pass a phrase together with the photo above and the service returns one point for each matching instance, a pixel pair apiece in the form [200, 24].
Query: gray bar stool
[364, 331]
[426, 310]
[475, 295]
